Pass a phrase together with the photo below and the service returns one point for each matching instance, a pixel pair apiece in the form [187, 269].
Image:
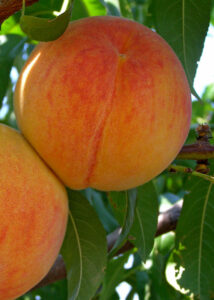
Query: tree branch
[201, 150]
[166, 222]
[197, 151]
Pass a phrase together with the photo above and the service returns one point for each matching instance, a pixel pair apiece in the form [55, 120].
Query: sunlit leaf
[11, 25]
[94, 7]
[184, 25]
[194, 239]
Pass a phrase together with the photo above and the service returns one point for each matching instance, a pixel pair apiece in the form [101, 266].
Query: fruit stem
[182, 169]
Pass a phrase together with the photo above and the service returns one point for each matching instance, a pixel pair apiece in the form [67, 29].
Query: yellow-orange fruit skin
[107, 105]
[33, 214]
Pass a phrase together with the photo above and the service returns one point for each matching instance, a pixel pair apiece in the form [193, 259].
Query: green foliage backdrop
[91, 272]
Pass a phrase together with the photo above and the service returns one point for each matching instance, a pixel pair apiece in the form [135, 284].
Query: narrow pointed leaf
[125, 203]
[115, 272]
[194, 239]
[146, 216]
[45, 29]
[84, 249]
[183, 24]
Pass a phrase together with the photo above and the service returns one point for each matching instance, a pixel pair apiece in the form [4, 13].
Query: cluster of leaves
[91, 272]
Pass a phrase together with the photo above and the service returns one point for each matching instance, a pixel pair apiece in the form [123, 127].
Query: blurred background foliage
[146, 281]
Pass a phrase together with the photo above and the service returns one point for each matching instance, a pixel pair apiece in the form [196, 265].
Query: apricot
[33, 214]
[107, 105]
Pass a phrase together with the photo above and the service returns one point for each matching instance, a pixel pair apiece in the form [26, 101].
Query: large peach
[107, 105]
[33, 214]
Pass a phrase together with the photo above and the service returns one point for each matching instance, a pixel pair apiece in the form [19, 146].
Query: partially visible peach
[107, 105]
[33, 214]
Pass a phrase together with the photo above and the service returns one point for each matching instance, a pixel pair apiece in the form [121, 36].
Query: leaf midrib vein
[80, 251]
[141, 228]
[201, 236]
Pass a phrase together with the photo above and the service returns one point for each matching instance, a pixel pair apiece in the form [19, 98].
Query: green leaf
[11, 25]
[10, 48]
[56, 290]
[209, 93]
[125, 9]
[194, 239]
[212, 13]
[94, 7]
[102, 208]
[84, 249]
[115, 273]
[118, 202]
[79, 10]
[146, 216]
[86, 8]
[113, 7]
[184, 25]
[44, 8]
[127, 209]
[46, 29]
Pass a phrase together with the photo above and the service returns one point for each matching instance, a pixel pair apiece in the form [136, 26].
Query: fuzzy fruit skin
[107, 105]
[33, 214]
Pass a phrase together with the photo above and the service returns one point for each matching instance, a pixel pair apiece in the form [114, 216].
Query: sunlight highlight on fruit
[24, 79]
[110, 101]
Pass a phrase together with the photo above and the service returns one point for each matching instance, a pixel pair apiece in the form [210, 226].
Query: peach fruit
[33, 214]
[107, 105]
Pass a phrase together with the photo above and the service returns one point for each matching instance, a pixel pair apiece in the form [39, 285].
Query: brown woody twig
[166, 222]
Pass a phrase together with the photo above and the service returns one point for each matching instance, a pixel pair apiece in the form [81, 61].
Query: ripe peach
[107, 105]
[33, 214]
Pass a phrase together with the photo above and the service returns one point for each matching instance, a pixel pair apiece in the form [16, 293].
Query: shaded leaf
[102, 208]
[86, 8]
[184, 25]
[118, 201]
[125, 9]
[194, 239]
[79, 10]
[146, 216]
[56, 290]
[45, 29]
[84, 249]
[10, 48]
[112, 7]
[115, 273]
[44, 8]
[127, 214]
